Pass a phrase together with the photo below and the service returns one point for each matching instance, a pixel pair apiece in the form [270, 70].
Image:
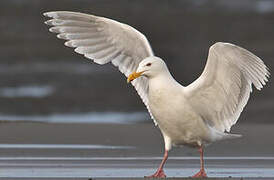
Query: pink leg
[202, 172]
[160, 172]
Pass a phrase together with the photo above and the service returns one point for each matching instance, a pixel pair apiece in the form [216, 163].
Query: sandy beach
[144, 137]
[42, 150]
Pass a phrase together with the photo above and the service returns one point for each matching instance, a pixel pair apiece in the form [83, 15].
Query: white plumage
[223, 89]
[104, 40]
[195, 115]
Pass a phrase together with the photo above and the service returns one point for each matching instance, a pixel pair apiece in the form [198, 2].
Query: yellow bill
[133, 76]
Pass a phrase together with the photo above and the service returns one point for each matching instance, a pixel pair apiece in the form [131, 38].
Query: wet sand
[40, 150]
[146, 139]
[138, 178]
[131, 167]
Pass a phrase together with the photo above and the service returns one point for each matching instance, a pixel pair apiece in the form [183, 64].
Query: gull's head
[149, 67]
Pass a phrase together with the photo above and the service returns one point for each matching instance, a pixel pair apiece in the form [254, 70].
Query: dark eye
[148, 64]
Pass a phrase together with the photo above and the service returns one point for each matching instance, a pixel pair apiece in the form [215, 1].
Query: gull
[195, 115]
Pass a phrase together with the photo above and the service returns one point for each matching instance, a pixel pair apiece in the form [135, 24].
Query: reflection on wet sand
[75, 167]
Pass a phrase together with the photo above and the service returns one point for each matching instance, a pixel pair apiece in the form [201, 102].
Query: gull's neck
[162, 81]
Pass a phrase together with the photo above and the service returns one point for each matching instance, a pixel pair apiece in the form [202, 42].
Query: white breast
[173, 114]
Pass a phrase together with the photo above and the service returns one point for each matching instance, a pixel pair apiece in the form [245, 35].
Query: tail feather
[218, 135]
[231, 136]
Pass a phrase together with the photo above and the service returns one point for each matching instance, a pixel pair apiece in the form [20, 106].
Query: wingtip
[55, 30]
[70, 44]
[268, 74]
[62, 36]
[46, 14]
[49, 22]
[51, 14]
[79, 50]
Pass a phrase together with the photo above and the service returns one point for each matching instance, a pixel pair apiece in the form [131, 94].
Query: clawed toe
[158, 174]
[200, 174]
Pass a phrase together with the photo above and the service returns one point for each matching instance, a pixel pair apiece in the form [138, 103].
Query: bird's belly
[180, 123]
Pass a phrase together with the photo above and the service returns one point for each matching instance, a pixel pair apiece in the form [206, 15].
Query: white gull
[196, 115]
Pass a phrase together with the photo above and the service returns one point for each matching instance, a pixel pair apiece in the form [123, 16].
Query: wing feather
[78, 36]
[104, 40]
[223, 89]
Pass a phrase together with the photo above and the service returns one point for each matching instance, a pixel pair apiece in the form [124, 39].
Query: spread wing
[104, 40]
[222, 91]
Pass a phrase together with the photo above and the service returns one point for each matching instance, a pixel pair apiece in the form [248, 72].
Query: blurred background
[42, 80]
